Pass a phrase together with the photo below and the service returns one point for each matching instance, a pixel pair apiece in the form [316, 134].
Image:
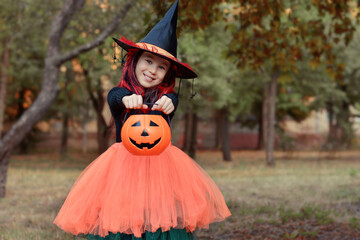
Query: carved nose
[144, 133]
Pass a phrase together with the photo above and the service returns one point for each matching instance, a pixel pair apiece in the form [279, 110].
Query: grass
[305, 188]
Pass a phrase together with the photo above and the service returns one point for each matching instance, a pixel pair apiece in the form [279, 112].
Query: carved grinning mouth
[145, 145]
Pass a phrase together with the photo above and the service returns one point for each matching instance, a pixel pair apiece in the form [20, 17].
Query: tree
[94, 74]
[342, 118]
[98, 101]
[275, 34]
[217, 77]
[3, 82]
[16, 50]
[54, 59]
[70, 104]
[8, 22]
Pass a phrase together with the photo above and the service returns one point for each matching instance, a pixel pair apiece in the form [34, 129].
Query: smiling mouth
[149, 79]
[145, 145]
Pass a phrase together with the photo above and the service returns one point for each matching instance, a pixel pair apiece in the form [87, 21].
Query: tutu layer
[121, 192]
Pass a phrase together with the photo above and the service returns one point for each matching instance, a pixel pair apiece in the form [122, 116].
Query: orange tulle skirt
[120, 192]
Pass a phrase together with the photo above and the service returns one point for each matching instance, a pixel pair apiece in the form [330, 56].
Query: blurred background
[279, 84]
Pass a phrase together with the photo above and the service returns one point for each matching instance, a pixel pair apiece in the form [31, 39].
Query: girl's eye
[148, 61]
[161, 67]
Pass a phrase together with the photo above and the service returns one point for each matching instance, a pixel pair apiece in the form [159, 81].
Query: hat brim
[183, 70]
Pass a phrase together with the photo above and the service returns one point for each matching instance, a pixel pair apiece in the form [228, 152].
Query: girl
[131, 191]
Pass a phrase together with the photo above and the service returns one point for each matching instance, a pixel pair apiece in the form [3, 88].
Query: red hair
[130, 82]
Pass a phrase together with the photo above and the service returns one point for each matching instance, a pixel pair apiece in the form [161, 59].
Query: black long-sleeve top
[119, 113]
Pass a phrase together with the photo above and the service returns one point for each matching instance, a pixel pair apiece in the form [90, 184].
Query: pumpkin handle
[149, 104]
[128, 110]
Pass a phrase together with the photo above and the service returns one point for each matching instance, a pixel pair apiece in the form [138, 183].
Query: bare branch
[99, 40]
[60, 23]
[50, 86]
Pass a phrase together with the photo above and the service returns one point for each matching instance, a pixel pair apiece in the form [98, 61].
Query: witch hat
[161, 40]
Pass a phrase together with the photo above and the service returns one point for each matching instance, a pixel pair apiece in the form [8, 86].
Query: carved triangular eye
[137, 124]
[152, 124]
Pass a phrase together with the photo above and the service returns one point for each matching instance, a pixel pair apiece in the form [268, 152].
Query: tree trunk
[190, 139]
[69, 75]
[270, 136]
[4, 164]
[265, 115]
[345, 126]
[334, 139]
[225, 136]
[49, 87]
[193, 145]
[84, 146]
[27, 120]
[98, 101]
[261, 123]
[187, 133]
[332, 135]
[24, 144]
[218, 135]
[42, 103]
[3, 82]
[103, 134]
[64, 134]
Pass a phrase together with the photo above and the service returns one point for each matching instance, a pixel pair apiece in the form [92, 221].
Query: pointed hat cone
[163, 34]
[161, 40]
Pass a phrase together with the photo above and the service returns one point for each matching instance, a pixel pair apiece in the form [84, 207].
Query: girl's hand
[164, 104]
[134, 102]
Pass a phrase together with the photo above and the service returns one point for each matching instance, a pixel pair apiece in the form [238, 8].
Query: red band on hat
[155, 49]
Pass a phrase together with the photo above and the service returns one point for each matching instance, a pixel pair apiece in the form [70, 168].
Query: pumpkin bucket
[145, 134]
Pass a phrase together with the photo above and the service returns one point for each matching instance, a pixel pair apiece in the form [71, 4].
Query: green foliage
[279, 31]
[292, 103]
[357, 106]
[286, 142]
[221, 83]
[96, 71]
[72, 100]
[25, 40]
[298, 37]
[348, 87]
[309, 40]
[204, 51]
[95, 16]
[25, 25]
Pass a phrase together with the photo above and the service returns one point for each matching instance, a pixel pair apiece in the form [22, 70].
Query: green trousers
[173, 234]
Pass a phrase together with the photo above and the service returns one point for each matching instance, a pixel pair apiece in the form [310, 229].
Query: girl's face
[150, 70]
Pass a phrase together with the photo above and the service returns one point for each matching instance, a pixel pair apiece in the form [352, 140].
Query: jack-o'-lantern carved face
[145, 134]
